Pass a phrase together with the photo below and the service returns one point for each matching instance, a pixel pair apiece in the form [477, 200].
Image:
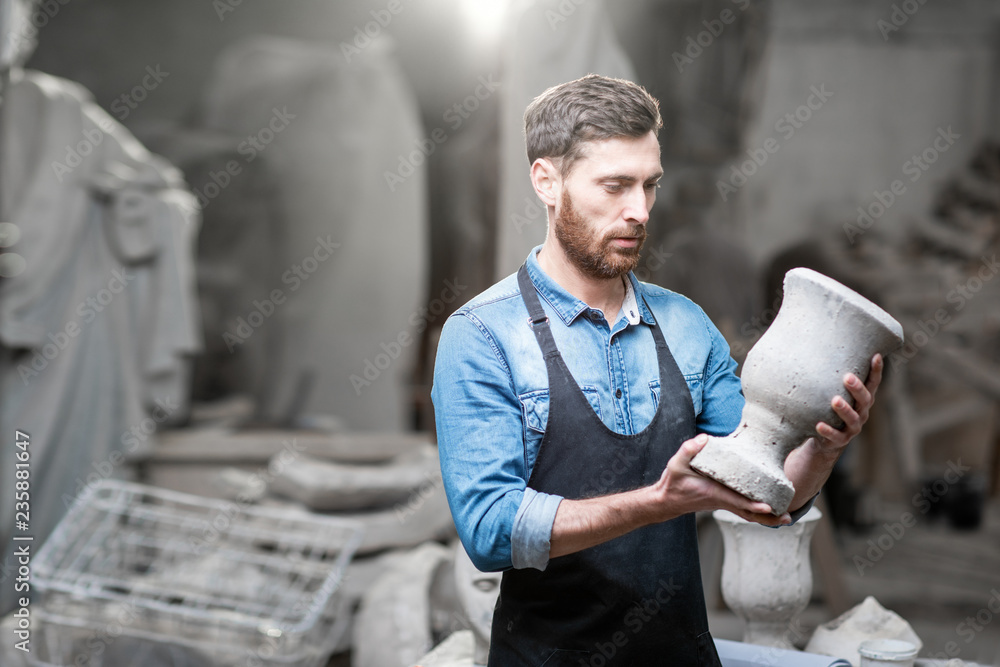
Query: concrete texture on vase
[766, 575]
[822, 332]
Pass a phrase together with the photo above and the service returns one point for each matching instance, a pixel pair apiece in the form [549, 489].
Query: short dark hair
[560, 120]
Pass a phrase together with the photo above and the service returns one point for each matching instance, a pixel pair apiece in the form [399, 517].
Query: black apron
[633, 601]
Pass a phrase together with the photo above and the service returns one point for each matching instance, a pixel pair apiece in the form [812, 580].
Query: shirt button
[618, 393]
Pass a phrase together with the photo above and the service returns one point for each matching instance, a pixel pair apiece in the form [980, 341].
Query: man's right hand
[580, 524]
[682, 489]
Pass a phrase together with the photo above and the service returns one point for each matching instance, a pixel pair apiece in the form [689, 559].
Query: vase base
[729, 462]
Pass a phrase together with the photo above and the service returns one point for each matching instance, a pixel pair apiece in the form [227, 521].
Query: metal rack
[139, 575]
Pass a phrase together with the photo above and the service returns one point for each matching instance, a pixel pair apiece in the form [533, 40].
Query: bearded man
[570, 399]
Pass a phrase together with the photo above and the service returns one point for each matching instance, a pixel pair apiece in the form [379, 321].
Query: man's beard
[597, 257]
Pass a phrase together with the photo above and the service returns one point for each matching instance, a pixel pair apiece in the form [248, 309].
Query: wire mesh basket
[137, 575]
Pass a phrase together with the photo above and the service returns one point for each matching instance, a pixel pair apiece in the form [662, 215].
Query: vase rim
[847, 294]
[725, 515]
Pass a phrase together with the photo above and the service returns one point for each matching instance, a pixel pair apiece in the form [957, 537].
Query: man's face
[600, 221]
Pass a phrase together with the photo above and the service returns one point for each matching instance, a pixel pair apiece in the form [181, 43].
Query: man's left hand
[855, 417]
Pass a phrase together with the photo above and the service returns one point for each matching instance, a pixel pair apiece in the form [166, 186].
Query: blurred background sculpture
[97, 326]
[316, 139]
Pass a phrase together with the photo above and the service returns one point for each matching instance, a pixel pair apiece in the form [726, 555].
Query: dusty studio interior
[231, 236]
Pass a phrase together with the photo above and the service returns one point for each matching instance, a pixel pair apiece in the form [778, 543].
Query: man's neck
[604, 294]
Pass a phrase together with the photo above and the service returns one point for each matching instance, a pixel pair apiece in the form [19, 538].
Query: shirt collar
[629, 306]
[568, 307]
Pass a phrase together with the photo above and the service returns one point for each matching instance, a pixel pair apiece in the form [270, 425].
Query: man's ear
[547, 181]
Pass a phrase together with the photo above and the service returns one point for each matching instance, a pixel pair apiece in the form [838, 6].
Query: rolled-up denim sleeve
[530, 542]
[481, 445]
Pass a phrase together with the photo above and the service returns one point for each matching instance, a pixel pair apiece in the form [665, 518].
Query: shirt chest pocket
[535, 413]
[694, 383]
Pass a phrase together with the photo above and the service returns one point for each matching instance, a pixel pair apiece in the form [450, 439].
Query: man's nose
[636, 209]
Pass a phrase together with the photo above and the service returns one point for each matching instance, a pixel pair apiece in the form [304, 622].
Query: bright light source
[484, 18]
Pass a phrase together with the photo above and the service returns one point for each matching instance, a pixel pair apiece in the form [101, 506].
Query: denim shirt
[490, 398]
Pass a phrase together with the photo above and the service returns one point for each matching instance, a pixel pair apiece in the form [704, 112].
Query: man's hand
[580, 524]
[682, 489]
[809, 466]
[854, 417]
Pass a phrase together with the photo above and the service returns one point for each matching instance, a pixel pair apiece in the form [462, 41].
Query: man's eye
[613, 188]
[652, 186]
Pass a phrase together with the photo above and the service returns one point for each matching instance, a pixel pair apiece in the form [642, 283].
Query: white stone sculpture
[328, 486]
[766, 575]
[455, 651]
[843, 636]
[822, 332]
[393, 626]
[478, 593]
[98, 325]
[353, 256]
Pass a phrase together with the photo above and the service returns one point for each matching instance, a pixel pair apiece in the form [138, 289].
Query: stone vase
[822, 332]
[766, 575]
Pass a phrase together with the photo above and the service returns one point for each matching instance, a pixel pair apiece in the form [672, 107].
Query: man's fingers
[875, 375]
[862, 397]
[692, 447]
[741, 505]
[769, 519]
[852, 418]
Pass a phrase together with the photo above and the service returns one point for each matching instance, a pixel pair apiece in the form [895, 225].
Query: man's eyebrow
[628, 178]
